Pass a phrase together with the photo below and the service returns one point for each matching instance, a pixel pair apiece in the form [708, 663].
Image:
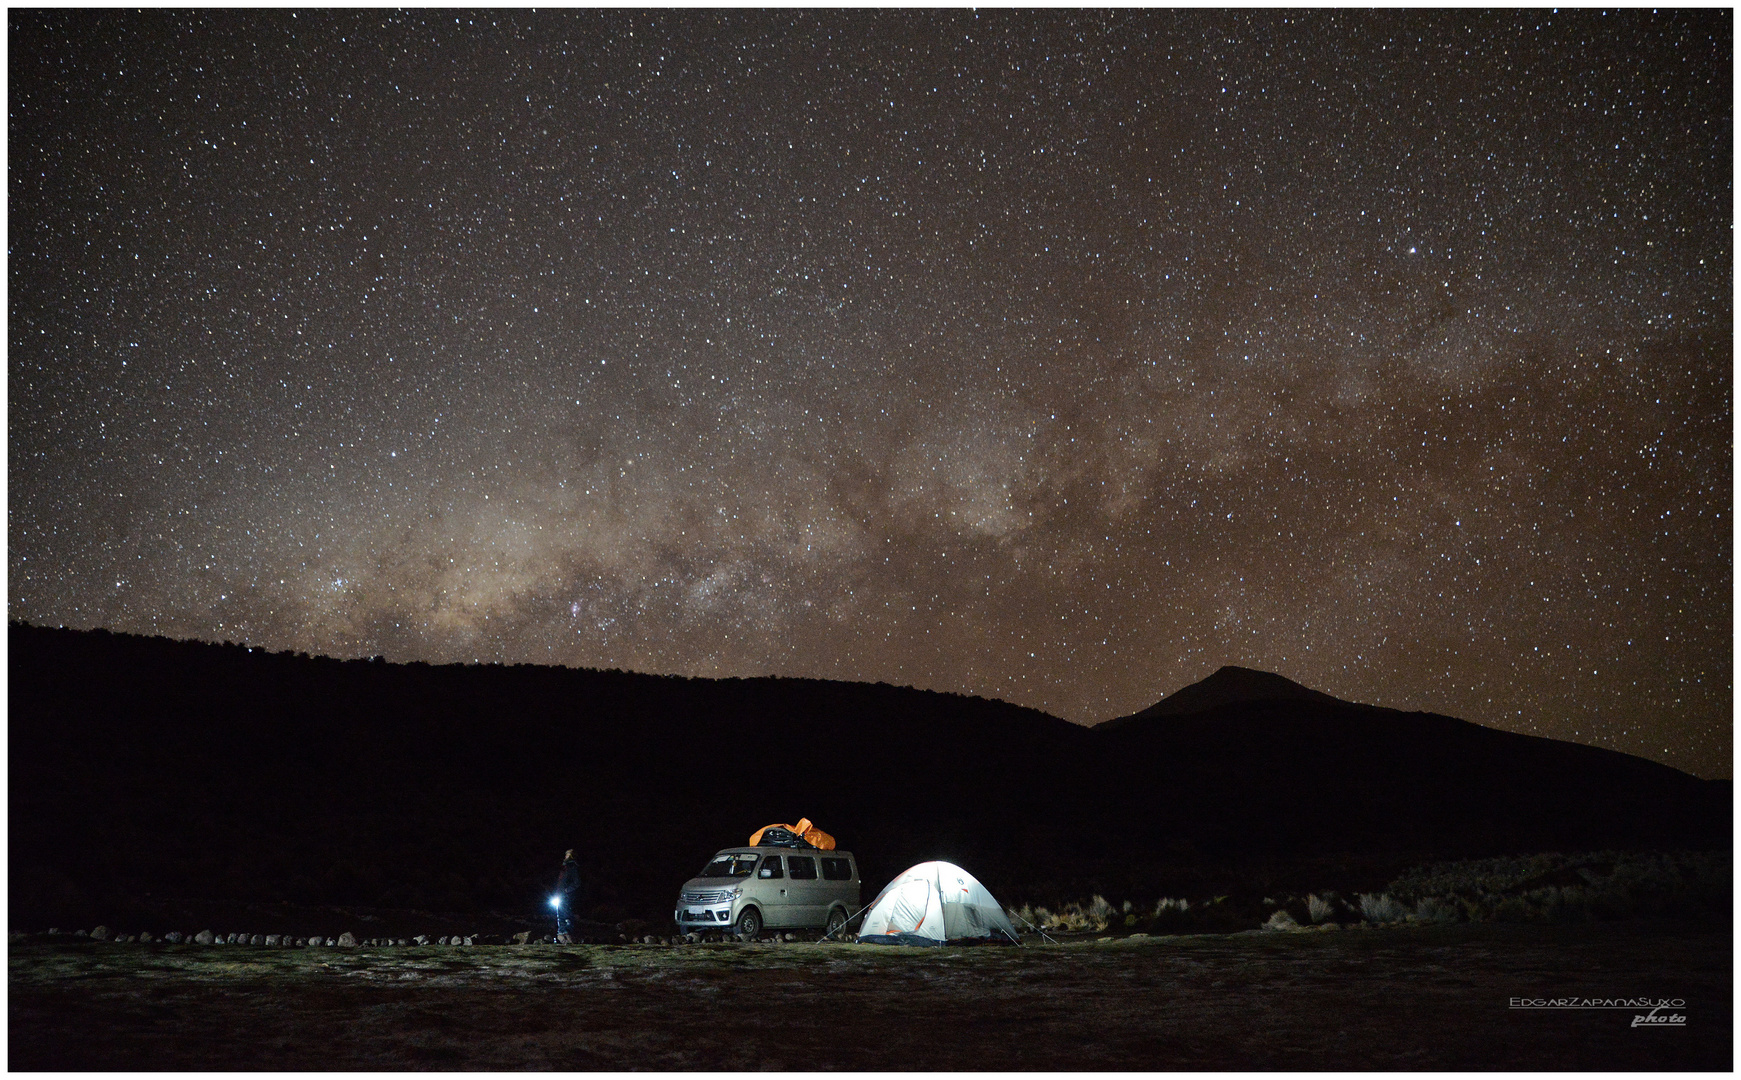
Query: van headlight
[736, 891]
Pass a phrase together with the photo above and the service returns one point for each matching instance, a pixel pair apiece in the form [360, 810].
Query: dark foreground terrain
[1417, 999]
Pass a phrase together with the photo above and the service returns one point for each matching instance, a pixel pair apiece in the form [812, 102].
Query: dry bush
[1381, 908]
[1438, 909]
[1073, 918]
[1281, 920]
[1319, 908]
[1553, 887]
[1099, 912]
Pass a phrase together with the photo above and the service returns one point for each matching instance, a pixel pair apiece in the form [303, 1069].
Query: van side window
[836, 869]
[803, 867]
[770, 867]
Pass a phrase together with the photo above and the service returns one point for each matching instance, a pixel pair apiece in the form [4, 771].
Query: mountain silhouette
[1229, 685]
[147, 766]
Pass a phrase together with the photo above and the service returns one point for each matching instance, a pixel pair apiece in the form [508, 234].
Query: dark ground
[1416, 999]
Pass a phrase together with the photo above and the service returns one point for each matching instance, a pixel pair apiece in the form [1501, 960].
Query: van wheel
[836, 920]
[749, 924]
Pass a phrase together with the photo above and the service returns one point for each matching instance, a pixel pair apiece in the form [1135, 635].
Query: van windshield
[731, 866]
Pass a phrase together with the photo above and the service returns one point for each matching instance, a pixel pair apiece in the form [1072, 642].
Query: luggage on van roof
[802, 834]
[932, 904]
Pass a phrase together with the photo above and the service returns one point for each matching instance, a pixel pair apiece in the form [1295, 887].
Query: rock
[441, 941]
[348, 940]
[101, 933]
[54, 930]
[274, 939]
[420, 939]
[257, 939]
[145, 937]
[204, 937]
[315, 942]
[471, 939]
[81, 933]
[522, 937]
[173, 937]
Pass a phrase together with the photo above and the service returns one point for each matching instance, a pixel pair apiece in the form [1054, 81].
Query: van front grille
[717, 896]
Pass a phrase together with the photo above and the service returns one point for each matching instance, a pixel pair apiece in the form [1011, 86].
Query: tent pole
[944, 940]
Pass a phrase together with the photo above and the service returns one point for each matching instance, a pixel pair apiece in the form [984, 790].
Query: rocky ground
[1426, 998]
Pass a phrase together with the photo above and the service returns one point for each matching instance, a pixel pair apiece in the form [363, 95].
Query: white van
[746, 889]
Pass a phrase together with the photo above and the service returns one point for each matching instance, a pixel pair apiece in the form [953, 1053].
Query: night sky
[1057, 357]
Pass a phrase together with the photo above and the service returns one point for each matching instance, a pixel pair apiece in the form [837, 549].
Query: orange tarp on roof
[813, 836]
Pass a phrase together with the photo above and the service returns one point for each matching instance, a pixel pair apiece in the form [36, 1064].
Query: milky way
[1058, 357]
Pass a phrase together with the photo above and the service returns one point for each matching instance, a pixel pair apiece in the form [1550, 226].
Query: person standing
[566, 886]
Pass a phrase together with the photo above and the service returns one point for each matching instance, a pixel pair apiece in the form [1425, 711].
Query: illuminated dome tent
[935, 903]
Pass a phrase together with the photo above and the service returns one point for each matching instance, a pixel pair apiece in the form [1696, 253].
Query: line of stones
[349, 940]
[206, 937]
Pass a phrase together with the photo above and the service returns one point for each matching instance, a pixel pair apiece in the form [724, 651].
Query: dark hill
[1228, 686]
[140, 765]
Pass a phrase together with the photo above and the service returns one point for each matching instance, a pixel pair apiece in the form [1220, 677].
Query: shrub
[1511, 909]
[1568, 905]
[1073, 918]
[1281, 920]
[1438, 909]
[1099, 912]
[1318, 908]
[1164, 905]
[1381, 908]
[1575, 888]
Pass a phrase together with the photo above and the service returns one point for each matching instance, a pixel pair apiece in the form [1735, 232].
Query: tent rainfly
[932, 904]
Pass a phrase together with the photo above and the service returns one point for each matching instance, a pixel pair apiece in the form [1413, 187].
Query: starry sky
[1060, 357]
